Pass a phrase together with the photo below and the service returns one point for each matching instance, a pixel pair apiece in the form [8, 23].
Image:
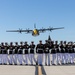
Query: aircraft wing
[49, 29]
[20, 31]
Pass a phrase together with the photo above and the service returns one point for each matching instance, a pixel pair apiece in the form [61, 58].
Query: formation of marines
[50, 52]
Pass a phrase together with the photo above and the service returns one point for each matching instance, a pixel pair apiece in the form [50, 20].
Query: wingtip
[7, 31]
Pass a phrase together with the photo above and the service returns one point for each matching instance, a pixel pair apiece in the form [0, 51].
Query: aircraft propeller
[20, 30]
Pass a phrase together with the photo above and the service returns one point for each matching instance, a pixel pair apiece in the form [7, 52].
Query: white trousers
[32, 58]
[4, 58]
[11, 59]
[53, 58]
[26, 58]
[47, 58]
[58, 58]
[74, 55]
[40, 59]
[20, 58]
[15, 58]
[0, 58]
[67, 57]
[63, 58]
[71, 57]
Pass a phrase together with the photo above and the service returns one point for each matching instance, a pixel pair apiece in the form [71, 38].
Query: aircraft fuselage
[35, 32]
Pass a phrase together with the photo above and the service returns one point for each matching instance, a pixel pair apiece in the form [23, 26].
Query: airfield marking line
[39, 70]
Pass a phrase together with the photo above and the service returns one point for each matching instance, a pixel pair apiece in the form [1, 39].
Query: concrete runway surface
[33, 70]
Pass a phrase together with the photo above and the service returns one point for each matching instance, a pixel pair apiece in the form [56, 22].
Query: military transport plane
[35, 31]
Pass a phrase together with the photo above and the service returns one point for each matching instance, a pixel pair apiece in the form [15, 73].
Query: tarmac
[33, 70]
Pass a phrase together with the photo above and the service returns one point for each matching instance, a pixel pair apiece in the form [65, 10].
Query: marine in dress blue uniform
[11, 48]
[2, 51]
[47, 53]
[32, 53]
[6, 53]
[20, 53]
[16, 47]
[26, 52]
[40, 51]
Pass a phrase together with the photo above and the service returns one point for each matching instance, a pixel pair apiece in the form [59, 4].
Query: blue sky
[15, 14]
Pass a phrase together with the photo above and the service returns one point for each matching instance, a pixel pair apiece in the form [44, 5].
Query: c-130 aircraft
[35, 31]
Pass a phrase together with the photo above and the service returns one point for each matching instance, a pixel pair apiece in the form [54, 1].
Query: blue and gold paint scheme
[35, 32]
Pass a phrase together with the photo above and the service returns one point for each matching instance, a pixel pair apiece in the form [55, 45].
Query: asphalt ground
[33, 70]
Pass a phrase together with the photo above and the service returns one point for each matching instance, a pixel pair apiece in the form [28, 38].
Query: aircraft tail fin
[35, 25]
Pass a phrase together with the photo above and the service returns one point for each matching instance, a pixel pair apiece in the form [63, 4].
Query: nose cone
[35, 32]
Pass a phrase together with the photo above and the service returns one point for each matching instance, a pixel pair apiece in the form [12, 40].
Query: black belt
[20, 51]
[26, 51]
[32, 51]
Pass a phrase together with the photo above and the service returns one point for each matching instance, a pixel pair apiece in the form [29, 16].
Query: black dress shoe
[31, 64]
[63, 64]
[36, 63]
[20, 64]
[10, 64]
[15, 64]
[45, 64]
[0, 63]
[48, 64]
[5, 64]
[53, 64]
[58, 64]
[66, 63]
[26, 64]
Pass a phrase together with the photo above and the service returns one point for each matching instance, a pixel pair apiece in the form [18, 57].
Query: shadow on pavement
[42, 68]
[36, 70]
